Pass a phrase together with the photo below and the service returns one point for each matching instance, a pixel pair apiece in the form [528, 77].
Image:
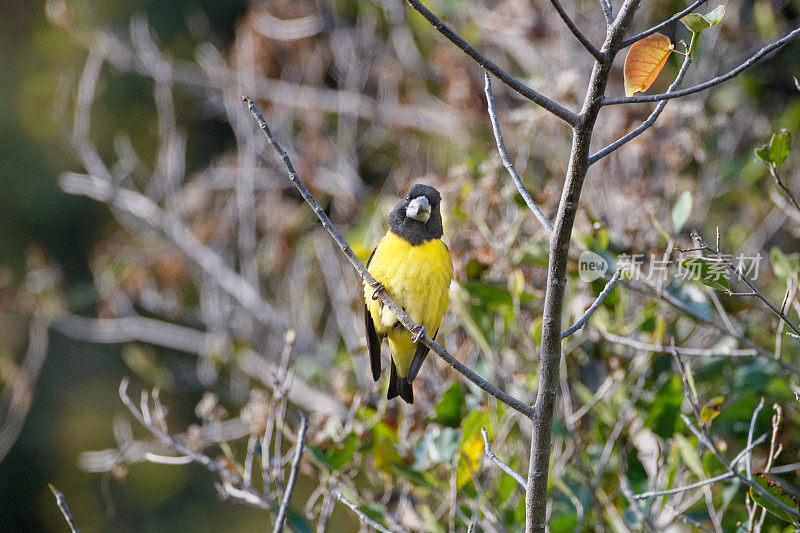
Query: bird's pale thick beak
[419, 209]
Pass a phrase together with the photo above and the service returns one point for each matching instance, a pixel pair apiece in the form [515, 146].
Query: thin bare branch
[704, 437]
[185, 339]
[647, 290]
[148, 212]
[362, 517]
[658, 27]
[232, 482]
[785, 469]
[704, 482]
[496, 460]
[749, 459]
[694, 352]
[608, 11]
[61, 501]
[287, 493]
[501, 148]
[650, 120]
[741, 276]
[597, 54]
[18, 391]
[774, 173]
[752, 60]
[706, 441]
[685, 488]
[401, 315]
[600, 299]
[553, 107]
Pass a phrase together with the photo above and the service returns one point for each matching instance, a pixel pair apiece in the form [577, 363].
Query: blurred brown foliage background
[368, 100]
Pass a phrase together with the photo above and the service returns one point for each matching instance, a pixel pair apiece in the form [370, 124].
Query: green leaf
[681, 211]
[707, 273]
[375, 511]
[687, 370]
[535, 331]
[711, 409]
[663, 413]
[770, 483]
[564, 523]
[448, 410]
[415, 477]
[774, 154]
[694, 22]
[697, 23]
[471, 447]
[689, 455]
[431, 523]
[783, 265]
[297, 522]
[715, 15]
[341, 454]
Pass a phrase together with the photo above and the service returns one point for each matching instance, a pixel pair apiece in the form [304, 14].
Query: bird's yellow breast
[418, 279]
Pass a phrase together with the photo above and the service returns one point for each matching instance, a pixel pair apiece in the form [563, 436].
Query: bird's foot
[419, 332]
[378, 289]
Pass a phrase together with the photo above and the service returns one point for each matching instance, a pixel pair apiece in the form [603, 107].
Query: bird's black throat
[415, 231]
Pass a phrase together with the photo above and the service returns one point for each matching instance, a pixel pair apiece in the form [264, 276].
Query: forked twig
[749, 62]
[553, 107]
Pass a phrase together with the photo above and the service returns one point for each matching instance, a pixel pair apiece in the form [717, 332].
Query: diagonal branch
[647, 290]
[774, 173]
[597, 54]
[496, 460]
[230, 477]
[650, 120]
[600, 298]
[673, 18]
[746, 280]
[553, 107]
[708, 481]
[501, 148]
[752, 60]
[607, 11]
[361, 515]
[398, 311]
[287, 494]
[190, 340]
[150, 213]
[704, 437]
[61, 501]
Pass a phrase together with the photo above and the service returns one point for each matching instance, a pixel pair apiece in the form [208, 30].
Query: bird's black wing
[373, 341]
[419, 358]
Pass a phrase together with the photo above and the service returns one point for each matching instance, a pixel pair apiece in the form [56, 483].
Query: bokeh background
[368, 99]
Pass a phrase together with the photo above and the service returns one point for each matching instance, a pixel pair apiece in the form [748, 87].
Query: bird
[413, 266]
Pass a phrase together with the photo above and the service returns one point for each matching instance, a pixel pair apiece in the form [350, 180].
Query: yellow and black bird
[413, 266]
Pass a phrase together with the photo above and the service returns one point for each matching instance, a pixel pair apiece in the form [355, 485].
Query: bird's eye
[408, 197]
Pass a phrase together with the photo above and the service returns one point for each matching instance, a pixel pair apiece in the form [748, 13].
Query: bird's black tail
[399, 387]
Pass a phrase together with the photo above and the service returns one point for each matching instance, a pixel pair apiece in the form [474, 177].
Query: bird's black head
[417, 218]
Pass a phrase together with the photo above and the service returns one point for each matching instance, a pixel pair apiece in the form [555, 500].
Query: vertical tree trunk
[550, 356]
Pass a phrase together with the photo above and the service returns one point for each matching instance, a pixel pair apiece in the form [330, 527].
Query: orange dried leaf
[645, 60]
